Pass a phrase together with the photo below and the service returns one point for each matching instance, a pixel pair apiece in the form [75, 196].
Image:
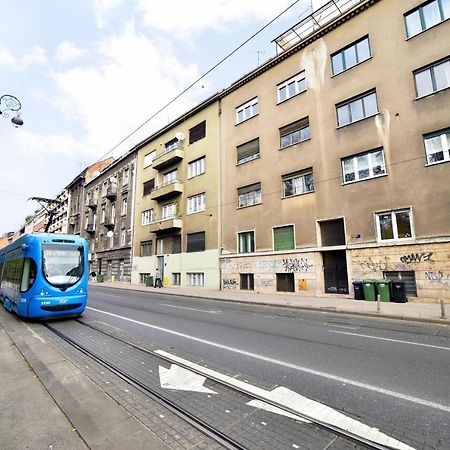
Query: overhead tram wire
[159, 111]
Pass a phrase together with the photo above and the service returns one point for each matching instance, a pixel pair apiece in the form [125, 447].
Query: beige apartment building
[177, 201]
[336, 154]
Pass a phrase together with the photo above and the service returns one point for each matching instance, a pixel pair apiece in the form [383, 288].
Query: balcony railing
[91, 203]
[109, 222]
[111, 191]
[318, 19]
[167, 190]
[90, 228]
[170, 155]
[166, 224]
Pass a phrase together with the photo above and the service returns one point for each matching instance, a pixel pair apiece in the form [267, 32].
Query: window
[143, 276]
[294, 133]
[148, 158]
[350, 56]
[124, 207]
[113, 213]
[198, 132]
[196, 279]
[196, 167]
[426, 16]
[149, 186]
[285, 282]
[297, 183]
[146, 248]
[248, 151]
[126, 174]
[433, 78]
[195, 242]
[176, 277]
[247, 282]
[437, 146]
[147, 217]
[170, 177]
[356, 109]
[196, 203]
[169, 211]
[394, 225]
[103, 215]
[366, 165]
[246, 242]
[247, 110]
[291, 87]
[249, 195]
[283, 238]
[123, 237]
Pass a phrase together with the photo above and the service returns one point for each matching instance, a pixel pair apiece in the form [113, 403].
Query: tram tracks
[346, 439]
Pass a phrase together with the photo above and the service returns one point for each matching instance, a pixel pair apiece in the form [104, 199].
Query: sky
[89, 72]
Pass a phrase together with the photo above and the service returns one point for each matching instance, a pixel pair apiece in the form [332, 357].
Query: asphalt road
[393, 375]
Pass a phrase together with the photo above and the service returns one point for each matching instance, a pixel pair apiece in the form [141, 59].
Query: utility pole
[50, 205]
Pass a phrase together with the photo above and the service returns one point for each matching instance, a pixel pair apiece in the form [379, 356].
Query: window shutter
[198, 132]
[284, 238]
[196, 242]
[294, 126]
[248, 149]
[148, 186]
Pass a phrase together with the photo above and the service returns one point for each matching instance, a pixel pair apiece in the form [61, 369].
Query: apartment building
[108, 217]
[177, 201]
[59, 221]
[336, 154]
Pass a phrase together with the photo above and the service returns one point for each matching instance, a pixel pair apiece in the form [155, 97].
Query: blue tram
[44, 276]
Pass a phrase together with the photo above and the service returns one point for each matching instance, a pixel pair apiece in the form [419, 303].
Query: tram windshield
[62, 265]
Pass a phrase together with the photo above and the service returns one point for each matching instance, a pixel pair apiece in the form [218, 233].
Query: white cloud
[36, 56]
[103, 8]
[133, 77]
[196, 16]
[68, 52]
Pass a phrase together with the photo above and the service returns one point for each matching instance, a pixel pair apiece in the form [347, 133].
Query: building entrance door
[335, 272]
[161, 267]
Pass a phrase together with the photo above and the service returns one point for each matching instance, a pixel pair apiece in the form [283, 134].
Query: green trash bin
[149, 281]
[384, 289]
[369, 290]
[100, 278]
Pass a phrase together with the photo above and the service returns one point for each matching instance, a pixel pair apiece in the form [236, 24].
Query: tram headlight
[43, 292]
[80, 291]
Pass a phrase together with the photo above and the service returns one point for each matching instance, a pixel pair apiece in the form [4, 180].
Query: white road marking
[347, 327]
[319, 373]
[391, 340]
[35, 334]
[285, 397]
[106, 295]
[182, 379]
[191, 309]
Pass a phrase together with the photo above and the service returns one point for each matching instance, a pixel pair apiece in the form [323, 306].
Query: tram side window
[13, 273]
[28, 275]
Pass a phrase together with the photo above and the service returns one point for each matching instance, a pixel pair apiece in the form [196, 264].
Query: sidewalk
[422, 312]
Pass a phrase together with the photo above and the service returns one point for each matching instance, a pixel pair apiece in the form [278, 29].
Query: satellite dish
[110, 234]
[180, 136]
[112, 180]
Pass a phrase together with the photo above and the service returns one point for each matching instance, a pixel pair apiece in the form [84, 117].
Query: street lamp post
[10, 105]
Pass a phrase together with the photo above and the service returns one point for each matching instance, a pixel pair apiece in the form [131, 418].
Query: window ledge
[298, 195]
[293, 145]
[357, 121]
[395, 241]
[249, 206]
[246, 162]
[245, 120]
[432, 93]
[437, 163]
[345, 183]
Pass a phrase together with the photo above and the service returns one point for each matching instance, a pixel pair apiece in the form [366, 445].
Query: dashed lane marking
[190, 309]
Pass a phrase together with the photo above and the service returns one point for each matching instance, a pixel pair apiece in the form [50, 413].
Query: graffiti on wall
[374, 265]
[231, 266]
[416, 257]
[267, 282]
[438, 277]
[229, 283]
[296, 264]
[263, 265]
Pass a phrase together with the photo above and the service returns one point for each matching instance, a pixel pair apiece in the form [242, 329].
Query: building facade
[108, 217]
[177, 201]
[59, 222]
[336, 155]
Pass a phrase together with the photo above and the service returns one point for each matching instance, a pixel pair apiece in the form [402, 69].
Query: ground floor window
[176, 278]
[247, 282]
[196, 279]
[143, 276]
[285, 282]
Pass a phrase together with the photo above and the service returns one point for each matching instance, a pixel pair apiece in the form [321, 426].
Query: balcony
[111, 191]
[91, 203]
[125, 187]
[90, 228]
[171, 155]
[109, 222]
[167, 190]
[163, 225]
